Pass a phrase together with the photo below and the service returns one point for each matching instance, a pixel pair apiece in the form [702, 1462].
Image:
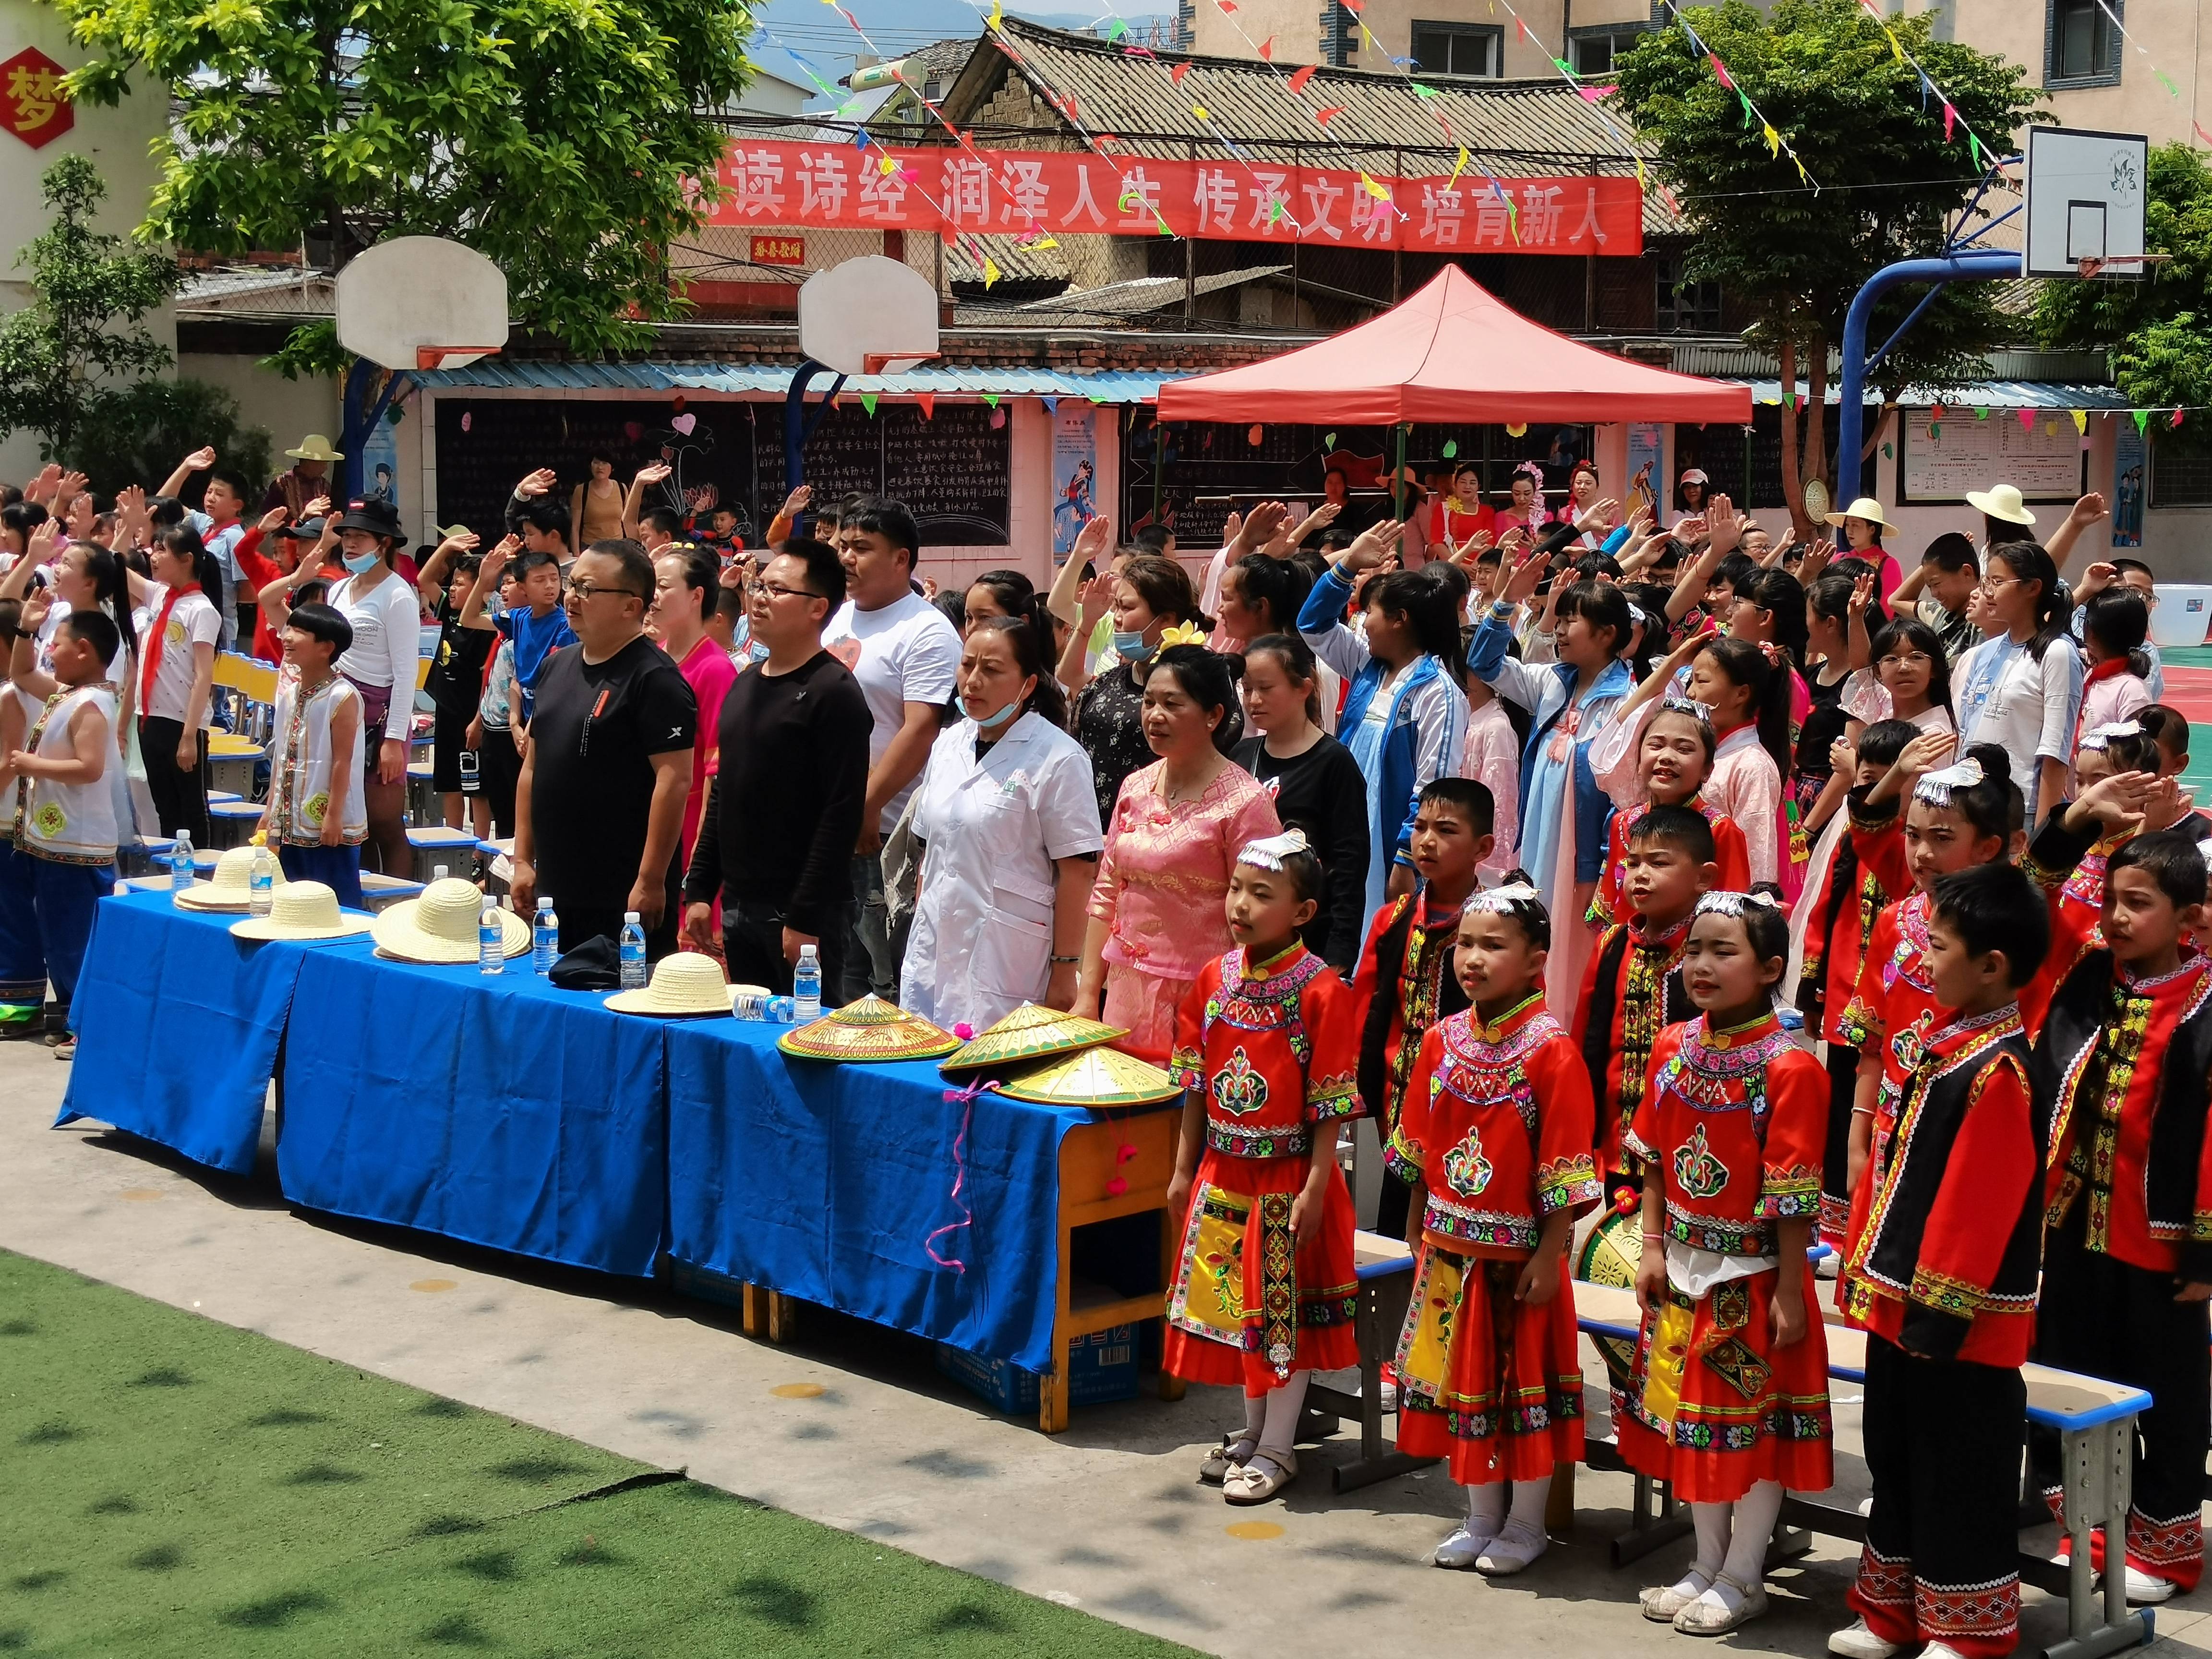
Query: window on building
[2180, 477]
[2081, 46]
[1684, 306]
[1593, 51]
[1459, 48]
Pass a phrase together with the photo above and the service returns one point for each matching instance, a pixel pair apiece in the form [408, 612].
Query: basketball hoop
[871, 315]
[2091, 269]
[408, 303]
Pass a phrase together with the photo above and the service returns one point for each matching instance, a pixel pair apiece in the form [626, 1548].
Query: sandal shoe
[1259, 1479]
[1513, 1549]
[1663, 1602]
[67, 1051]
[1712, 1618]
[1464, 1547]
[1230, 1454]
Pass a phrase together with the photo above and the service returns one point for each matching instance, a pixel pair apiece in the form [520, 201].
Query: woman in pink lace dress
[1157, 914]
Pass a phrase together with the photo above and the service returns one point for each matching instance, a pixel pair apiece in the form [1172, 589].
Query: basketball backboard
[422, 302]
[2085, 202]
[871, 315]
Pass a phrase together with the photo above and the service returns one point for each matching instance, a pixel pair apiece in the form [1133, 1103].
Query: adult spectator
[596, 506]
[1149, 596]
[1010, 834]
[308, 477]
[686, 580]
[905, 655]
[385, 616]
[782, 815]
[540, 520]
[600, 802]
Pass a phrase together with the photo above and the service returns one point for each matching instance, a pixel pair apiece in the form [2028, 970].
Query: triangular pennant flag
[1896, 50]
[991, 272]
[1888, 451]
[1322, 115]
[1177, 74]
[1950, 120]
[1981, 414]
[1267, 49]
[1564, 67]
[1199, 110]
[998, 17]
[2081, 420]
[1451, 448]
[927, 400]
[1420, 91]
[1459, 167]
[2198, 127]
[1116, 31]
[1748, 113]
[1051, 405]
[2166, 82]
[2176, 421]
[2142, 419]
[861, 139]
[1329, 442]
[1974, 145]
[1373, 189]
[1934, 428]
[2027, 420]
[992, 398]
[1773, 138]
[1275, 212]
[868, 402]
[1521, 24]
[1300, 77]
[1720, 71]
[1591, 94]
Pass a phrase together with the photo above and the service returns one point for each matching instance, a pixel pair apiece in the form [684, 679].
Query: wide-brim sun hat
[232, 886]
[303, 910]
[315, 448]
[688, 984]
[1094, 1076]
[1031, 1032]
[2000, 501]
[376, 516]
[440, 926]
[869, 1031]
[1864, 507]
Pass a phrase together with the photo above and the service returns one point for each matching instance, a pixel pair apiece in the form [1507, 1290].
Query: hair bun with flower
[1501, 901]
[2101, 738]
[1728, 903]
[1936, 788]
[1675, 703]
[1184, 634]
[1269, 851]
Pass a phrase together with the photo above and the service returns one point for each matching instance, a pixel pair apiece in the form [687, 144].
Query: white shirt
[904, 652]
[70, 822]
[192, 622]
[301, 792]
[981, 943]
[387, 641]
[2025, 707]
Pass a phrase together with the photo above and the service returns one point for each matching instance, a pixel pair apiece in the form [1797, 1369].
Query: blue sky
[827, 41]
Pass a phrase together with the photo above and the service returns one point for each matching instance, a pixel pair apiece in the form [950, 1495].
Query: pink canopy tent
[1451, 353]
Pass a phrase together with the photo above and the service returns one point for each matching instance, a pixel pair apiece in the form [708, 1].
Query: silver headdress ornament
[1500, 901]
[1269, 852]
[2204, 852]
[2101, 737]
[1936, 787]
[1675, 703]
[1734, 904]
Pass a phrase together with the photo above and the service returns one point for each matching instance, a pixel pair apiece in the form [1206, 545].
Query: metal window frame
[1591, 30]
[2055, 81]
[1493, 33]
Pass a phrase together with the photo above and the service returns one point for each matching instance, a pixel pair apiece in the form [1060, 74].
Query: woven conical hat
[1096, 1077]
[869, 1029]
[1029, 1033]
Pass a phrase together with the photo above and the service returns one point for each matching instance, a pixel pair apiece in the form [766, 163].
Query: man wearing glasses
[600, 800]
[776, 839]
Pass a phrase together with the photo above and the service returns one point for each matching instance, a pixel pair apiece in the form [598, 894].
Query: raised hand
[1092, 540]
[1926, 753]
[275, 520]
[536, 484]
[793, 504]
[198, 461]
[657, 472]
[1723, 524]
[316, 508]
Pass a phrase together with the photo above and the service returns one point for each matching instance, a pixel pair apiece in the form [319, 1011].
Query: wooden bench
[2095, 1420]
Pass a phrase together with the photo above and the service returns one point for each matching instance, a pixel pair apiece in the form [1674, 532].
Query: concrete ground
[851, 1425]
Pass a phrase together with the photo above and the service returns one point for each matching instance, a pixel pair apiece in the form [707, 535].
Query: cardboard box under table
[833, 1184]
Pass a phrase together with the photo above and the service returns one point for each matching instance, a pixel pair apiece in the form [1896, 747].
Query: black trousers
[2102, 1316]
[580, 922]
[752, 946]
[1391, 1207]
[179, 795]
[499, 768]
[1836, 1155]
[1943, 1440]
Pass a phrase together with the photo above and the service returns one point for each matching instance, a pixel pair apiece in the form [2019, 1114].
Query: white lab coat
[981, 943]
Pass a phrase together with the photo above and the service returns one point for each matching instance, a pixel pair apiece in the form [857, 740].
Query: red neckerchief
[154, 645]
[2111, 668]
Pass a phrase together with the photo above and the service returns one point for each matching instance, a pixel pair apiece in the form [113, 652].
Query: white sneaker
[2144, 1589]
[1464, 1547]
[1941, 1651]
[1513, 1548]
[1860, 1643]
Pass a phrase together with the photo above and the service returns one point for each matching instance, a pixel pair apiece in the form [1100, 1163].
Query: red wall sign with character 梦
[33, 106]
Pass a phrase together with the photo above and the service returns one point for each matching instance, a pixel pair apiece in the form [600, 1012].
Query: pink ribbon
[966, 1099]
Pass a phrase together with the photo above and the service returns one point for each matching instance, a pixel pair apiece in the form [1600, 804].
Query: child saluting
[1495, 1139]
[1728, 1396]
[1267, 1044]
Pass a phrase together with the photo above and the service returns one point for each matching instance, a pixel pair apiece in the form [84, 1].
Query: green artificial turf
[169, 1486]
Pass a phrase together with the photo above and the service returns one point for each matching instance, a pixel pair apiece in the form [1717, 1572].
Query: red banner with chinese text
[1057, 193]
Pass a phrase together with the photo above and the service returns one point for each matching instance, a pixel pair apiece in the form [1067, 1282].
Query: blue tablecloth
[178, 1025]
[826, 1181]
[496, 1110]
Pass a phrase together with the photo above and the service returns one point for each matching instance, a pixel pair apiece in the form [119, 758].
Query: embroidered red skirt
[1491, 1385]
[1250, 1307]
[1715, 1407]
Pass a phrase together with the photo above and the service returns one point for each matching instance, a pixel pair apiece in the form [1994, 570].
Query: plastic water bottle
[806, 985]
[633, 952]
[180, 863]
[545, 938]
[261, 891]
[491, 941]
[438, 872]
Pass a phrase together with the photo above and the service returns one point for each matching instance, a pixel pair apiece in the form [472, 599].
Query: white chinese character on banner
[1539, 215]
[1084, 203]
[1216, 197]
[1443, 207]
[756, 176]
[968, 193]
[883, 195]
[1589, 228]
[1493, 218]
[1267, 195]
[1141, 197]
[1027, 194]
[1374, 218]
[822, 185]
[1321, 196]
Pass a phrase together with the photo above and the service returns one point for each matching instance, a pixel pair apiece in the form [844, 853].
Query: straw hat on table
[232, 887]
[688, 983]
[440, 925]
[303, 910]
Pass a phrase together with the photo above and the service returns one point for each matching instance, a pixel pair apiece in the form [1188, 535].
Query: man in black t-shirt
[600, 800]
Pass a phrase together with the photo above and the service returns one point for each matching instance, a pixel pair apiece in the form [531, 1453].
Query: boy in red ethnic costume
[2122, 1070]
[1940, 1273]
[1495, 1139]
[1728, 1396]
[1264, 1291]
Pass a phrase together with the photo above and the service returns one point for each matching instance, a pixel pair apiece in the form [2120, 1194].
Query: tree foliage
[562, 139]
[85, 323]
[2158, 330]
[133, 435]
[1823, 72]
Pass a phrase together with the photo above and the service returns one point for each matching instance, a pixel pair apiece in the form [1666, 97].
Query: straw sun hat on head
[303, 909]
[315, 448]
[232, 887]
[1865, 508]
[687, 982]
[2000, 501]
[440, 926]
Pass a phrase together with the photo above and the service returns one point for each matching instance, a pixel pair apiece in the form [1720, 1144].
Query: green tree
[134, 434]
[2159, 329]
[1874, 140]
[85, 323]
[568, 140]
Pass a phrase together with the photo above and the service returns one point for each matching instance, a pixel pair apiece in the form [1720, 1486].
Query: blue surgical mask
[1129, 647]
[358, 562]
[993, 722]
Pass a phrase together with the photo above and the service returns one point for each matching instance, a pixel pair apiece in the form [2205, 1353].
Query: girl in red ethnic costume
[1728, 1396]
[1495, 1137]
[1267, 1046]
[1673, 757]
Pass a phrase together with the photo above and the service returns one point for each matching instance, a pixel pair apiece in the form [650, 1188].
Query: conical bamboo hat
[1031, 1032]
[869, 1029]
[1094, 1076]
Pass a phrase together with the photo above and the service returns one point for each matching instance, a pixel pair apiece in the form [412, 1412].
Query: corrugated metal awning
[497, 374]
[1979, 394]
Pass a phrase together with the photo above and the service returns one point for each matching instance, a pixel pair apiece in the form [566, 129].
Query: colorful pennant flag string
[2143, 52]
[1777, 145]
[1952, 119]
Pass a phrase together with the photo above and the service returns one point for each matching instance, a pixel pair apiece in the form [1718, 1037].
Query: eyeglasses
[1910, 660]
[1991, 584]
[582, 590]
[776, 591]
